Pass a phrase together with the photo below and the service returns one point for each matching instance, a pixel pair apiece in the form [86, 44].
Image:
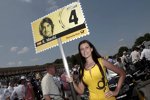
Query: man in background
[49, 89]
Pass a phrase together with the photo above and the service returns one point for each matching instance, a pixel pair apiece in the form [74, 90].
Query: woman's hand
[69, 79]
[111, 94]
[79, 88]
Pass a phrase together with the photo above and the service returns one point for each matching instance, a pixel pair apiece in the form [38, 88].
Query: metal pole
[63, 57]
[66, 68]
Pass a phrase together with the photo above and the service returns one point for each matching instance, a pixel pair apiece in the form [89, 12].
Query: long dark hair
[95, 56]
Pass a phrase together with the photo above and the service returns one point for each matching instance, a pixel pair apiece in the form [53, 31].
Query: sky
[111, 23]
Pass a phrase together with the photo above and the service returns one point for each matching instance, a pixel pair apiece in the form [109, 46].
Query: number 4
[73, 17]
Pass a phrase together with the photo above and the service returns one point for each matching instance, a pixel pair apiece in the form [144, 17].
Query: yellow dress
[92, 78]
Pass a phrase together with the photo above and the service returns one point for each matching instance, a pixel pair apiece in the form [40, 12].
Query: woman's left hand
[111, 94]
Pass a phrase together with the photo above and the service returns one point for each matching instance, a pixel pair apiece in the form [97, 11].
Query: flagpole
[66, 68]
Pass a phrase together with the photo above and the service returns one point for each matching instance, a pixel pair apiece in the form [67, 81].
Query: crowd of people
[21, 88]
[36, 86]
[91, 74]
[138, 57]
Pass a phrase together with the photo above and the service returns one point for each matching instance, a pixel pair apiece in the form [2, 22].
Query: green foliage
[141, 39]
[69, 59]
[58, 61]
[137, 42]
[121, 50]
[147, 37]
[74, 59]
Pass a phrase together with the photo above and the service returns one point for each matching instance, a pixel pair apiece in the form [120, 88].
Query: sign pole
[66, 68]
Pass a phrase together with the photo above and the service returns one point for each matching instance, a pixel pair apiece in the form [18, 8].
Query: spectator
[49, 88]
[145, 53]
[20, 90]
[8, 91]
[124, 60]
[11, 87]
[6, 95]
[29, 91]
[36, 83]
[135, 55]
[119, 63]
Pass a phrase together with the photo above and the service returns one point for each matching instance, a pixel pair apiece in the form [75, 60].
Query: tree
[147, 37]
[58, 61]
[78, 59]
[121, 50]
[75, 59]
[69, 59]
[141, 39]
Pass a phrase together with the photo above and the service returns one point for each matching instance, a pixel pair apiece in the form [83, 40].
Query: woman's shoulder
[100, 59]
[102, 62]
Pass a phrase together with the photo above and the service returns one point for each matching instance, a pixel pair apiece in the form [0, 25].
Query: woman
[29, 91]
[93, 74]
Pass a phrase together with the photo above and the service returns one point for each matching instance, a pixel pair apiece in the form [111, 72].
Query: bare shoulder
[104, 61]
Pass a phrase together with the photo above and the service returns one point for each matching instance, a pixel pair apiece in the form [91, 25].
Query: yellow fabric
[91, 78]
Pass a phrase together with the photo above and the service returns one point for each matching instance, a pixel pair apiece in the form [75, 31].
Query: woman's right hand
[78, 87]
[69, 79]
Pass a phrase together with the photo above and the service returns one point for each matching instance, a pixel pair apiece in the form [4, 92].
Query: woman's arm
[79, 88]
[117, 70]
